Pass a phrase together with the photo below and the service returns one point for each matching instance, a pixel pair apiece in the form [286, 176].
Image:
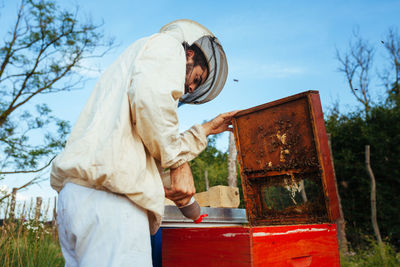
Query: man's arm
[219, 124]
[182, 184]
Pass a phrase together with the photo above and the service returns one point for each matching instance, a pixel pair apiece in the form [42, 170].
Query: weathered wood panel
[285, 165]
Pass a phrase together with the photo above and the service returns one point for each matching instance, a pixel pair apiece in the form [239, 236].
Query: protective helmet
[191, 32]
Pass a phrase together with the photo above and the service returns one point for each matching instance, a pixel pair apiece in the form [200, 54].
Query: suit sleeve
[157, 84]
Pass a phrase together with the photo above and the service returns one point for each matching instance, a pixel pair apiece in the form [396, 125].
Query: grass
[382, 255]
[28, 242]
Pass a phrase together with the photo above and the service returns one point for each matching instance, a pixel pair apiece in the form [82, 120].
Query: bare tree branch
[9, 49]
[42, 53]
[356, 64]
[30, 171]
[31, 182]
[392, 45]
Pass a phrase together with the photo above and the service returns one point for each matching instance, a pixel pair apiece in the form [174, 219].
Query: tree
[232, 161]
[373, 195]
[391, 75]
[42, 53]
[356, 65]
[377, 125]
[350, 134]
[214, 162]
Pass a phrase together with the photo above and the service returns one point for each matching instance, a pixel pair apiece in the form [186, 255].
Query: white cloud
[4, 189]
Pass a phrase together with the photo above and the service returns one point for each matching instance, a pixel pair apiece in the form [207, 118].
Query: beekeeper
[111, 196]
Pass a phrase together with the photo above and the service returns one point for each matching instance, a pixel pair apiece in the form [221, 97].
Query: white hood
[191, 32]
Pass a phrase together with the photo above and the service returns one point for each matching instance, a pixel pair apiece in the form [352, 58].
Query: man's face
[195, 75]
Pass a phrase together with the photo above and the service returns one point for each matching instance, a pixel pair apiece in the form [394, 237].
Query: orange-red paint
[325, 157]
[220, 246]
[294, 245]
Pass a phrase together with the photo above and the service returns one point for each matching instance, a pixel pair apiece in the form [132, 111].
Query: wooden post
[232, 171]
[206, 179]
[54, 212]
[54, 221]
[23, 212]
[340, 222]
[38, 208]
[373, 195]
[13, 202]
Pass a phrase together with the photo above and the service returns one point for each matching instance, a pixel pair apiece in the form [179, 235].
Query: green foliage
[29, 244]
[374, 255]
[212, 160]
[242, 205]
[42, 53]
[18, 152]
[378, 126]
[216, 164]
[391, 76]
[26, 240]
[350, 134]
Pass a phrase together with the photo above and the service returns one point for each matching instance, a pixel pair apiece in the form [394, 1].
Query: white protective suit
[128, 129]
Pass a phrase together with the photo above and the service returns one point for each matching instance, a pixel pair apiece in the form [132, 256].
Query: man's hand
[182, 185]
[219, 124]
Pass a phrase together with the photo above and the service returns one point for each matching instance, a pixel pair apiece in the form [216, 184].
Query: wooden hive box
[289, 192]
[284, 159]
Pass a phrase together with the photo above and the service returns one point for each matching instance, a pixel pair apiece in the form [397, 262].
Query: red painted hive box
[289, 192]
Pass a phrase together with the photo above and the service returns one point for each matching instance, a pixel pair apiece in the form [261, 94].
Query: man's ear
[189, 53]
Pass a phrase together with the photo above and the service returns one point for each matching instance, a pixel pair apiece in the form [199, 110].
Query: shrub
[382, 255]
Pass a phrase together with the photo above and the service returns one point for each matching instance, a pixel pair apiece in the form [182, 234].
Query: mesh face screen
[218, 71]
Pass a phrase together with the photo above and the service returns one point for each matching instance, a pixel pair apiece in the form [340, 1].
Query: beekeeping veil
[191, 32]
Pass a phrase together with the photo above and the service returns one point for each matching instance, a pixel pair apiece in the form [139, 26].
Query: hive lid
[285, 165]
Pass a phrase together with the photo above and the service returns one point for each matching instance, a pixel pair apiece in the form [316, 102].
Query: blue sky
[274, 48]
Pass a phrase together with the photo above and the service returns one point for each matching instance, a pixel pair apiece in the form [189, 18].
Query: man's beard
[186, 88]
[189, 69]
